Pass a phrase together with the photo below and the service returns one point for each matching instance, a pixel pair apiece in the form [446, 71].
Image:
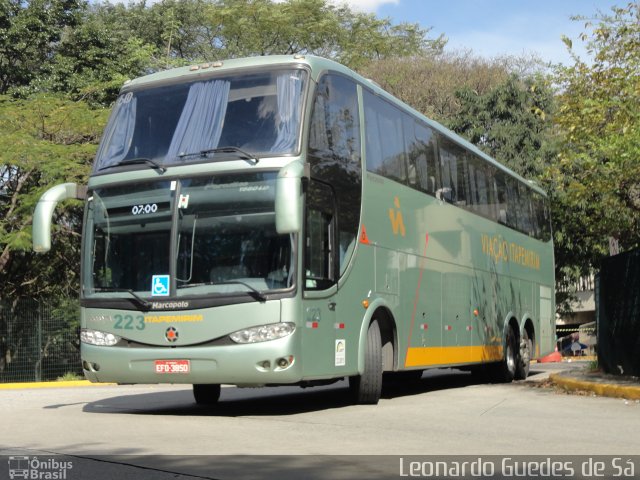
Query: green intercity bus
[284, 221]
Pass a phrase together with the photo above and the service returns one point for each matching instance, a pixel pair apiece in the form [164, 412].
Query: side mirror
[289, 197]
[41, 233]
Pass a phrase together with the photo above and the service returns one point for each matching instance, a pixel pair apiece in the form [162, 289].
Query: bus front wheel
[206, 394]
[366, 388]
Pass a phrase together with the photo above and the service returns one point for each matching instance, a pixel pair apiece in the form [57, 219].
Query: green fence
[618, 314]
[38, 341]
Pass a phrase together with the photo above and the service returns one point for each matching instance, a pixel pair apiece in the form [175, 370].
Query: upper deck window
[259, 113]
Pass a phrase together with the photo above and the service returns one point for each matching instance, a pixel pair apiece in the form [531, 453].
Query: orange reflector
[365, 303]
[475, 312]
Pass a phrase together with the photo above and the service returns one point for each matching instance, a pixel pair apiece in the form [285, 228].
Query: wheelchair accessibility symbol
[160, 285]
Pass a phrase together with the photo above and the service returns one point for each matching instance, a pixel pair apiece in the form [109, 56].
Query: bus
[282, 220]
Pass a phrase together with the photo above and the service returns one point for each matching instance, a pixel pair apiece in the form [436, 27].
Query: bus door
[320, 275]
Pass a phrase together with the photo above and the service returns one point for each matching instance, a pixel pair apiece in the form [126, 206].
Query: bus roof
[317, 66]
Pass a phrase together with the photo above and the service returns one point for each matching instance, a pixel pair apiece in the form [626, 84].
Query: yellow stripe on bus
[427, 356]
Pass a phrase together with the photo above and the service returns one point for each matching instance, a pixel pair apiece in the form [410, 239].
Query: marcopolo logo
[37, 469]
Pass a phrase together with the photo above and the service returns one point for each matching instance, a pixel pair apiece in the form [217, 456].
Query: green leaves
[29, 33]
[599, 122]
[44, 140]
[62, 63]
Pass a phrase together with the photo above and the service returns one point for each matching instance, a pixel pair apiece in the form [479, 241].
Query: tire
[524, 357]
[206, 394]
[505, 371]
[367, 388]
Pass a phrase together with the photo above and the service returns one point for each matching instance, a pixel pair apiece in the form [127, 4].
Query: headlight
[96, 337]
[263, 333]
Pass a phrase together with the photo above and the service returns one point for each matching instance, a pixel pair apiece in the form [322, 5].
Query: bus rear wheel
[505, 371]
[367, 388]
[524, 359]
[206, 394]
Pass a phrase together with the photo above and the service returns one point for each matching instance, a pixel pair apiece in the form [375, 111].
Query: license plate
[172, 366]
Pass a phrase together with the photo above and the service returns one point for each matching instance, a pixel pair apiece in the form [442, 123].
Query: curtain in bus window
[202, 118]
[119, 132]
[289, 90]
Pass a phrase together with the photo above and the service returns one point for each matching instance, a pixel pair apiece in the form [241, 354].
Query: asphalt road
[158, 432]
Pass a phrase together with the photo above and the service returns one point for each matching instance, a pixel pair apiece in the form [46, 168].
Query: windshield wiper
[257, 294]
[137, 161]
[244, 155]
[141, 301]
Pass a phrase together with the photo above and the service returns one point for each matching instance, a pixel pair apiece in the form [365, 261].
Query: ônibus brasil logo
[36, 469]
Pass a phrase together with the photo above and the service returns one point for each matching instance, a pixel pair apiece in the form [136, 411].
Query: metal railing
[38, 341]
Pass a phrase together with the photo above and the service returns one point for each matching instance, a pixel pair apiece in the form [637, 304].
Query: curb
[73, 383]
[603, 389]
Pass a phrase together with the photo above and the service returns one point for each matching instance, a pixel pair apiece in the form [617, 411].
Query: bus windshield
[258, 113]
[196, 236]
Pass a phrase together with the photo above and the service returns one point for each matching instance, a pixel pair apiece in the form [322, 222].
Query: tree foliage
[29, 32]
[45, 140]
[505, 105]
[63, 61]
[596, 179]
[511, 122]
[429, 83]
[184, 31]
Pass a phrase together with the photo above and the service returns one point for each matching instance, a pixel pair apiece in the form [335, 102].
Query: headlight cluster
[263, 333]
[96, 337]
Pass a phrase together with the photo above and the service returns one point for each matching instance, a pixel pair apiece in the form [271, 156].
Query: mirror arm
[41, 233]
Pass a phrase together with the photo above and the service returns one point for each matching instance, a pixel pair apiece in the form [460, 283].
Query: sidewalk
[600, 383]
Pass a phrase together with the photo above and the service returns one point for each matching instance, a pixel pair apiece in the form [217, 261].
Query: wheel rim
[511, 352]
[526, 355]
[511, 360]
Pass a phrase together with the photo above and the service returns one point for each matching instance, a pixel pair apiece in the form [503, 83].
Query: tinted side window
[335, 129]
[421, 153]
[453, 168]
[334, 154]
[320, 237]
[512, 202]
[385, 145]
[525, 222]
[541, 212]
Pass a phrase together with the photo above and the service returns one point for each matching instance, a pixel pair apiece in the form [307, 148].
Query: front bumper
[238, 364]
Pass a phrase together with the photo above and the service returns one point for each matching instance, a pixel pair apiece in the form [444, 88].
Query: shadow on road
[272, 401]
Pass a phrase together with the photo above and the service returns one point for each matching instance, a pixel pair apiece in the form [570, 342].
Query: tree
[597, 175]
[29, 32]
[64, 60]
[430, 82]
[511, 122]
[202, 30]
[505, 106]
[44, 140]
[93, 60]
